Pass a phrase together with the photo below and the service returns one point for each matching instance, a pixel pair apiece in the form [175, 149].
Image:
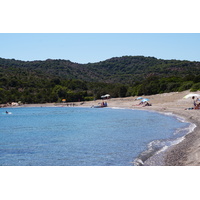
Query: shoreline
[167, 156]
[185, 153]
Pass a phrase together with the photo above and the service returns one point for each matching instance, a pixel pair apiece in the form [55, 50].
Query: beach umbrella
[105, 96]
[144, 100]
[191, 95]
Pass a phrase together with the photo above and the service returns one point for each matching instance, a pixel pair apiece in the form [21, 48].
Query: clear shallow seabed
[70, 136]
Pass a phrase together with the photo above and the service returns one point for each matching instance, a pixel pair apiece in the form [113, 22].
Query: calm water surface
[82, 136]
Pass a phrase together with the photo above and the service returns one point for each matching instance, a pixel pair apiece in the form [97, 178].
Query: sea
[79, 136]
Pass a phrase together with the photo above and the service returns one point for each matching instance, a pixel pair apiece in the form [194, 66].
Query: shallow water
[69, 136]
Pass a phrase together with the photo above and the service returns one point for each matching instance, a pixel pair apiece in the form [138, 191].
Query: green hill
[52, 80]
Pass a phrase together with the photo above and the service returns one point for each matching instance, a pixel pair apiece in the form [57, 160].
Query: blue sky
[95, 47]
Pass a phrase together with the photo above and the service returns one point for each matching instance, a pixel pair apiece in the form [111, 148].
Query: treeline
[156, 85]
[54, 80]
[54, 90]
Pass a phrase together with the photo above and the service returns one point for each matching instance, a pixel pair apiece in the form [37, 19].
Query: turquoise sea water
[70, 136]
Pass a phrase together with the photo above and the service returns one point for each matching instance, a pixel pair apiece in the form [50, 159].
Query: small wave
[118, 108]
[162, 150]
[138, 162]
[157, 147]
[186, 130]
[169, 143]
[153, 148]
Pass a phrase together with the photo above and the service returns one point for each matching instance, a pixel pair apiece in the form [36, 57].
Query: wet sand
[187, 152]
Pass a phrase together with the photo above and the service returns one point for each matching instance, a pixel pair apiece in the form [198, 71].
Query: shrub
[185, 86]
[195, 87]
[88, 98]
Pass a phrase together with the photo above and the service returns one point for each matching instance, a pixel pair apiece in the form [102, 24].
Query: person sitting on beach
[141, 103]
[103, 104]
[147, 104]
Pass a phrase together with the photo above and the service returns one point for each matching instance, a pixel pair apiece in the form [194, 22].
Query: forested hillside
[54, 80]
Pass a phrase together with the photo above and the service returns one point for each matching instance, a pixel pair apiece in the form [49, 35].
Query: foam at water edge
[174, 142]
[157, 147]
[187, 130]
[118, 108]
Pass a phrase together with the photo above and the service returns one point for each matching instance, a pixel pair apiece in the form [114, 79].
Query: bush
[88, 98]
[172, 87]
[195, 87]
[185, 86]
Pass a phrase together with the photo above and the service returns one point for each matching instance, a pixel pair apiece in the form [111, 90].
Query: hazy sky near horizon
[95, 47]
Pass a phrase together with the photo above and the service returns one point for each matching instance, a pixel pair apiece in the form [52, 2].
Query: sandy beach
[187, 152]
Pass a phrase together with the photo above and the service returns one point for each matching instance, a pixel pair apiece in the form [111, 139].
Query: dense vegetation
[54, 80]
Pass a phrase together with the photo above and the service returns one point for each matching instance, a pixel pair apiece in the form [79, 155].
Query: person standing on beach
[193, 98]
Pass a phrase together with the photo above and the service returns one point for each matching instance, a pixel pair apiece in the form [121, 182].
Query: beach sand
[187, 152]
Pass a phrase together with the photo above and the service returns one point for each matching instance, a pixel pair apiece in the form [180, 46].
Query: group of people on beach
[143, 104]
[146, 103]
[104, 104]
[196, 103]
